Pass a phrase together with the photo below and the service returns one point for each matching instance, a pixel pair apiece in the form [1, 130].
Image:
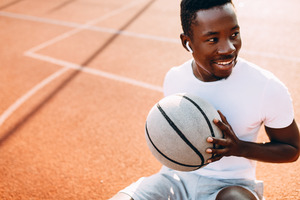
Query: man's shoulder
[251, 69]
[178, 77]
[257, 75]
[186, 66]
[181, 71]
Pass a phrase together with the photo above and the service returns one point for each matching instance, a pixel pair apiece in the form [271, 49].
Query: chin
[224, 75]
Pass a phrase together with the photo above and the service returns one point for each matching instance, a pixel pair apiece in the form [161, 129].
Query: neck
[203, 74]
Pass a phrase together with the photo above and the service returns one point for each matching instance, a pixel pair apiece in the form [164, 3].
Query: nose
[226, 47]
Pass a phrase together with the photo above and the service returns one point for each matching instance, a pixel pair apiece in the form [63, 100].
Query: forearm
[283, 147]
[269, 152]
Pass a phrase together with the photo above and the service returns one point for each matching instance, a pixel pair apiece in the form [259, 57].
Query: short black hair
[189, 8]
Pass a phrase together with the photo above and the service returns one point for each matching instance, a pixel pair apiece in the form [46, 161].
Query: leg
[235, 193]
[121, 196]
[163, 185]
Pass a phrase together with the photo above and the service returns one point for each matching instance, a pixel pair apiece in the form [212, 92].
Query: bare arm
[283, 146]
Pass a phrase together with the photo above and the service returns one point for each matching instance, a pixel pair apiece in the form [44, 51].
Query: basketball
[177, 128]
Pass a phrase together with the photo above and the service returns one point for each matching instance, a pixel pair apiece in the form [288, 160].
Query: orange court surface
[78, 78]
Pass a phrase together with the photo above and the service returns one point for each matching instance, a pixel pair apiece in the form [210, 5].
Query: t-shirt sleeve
[277, 105]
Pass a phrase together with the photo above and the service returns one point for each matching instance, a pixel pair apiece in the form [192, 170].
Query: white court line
[135, 35]
[95, 72]
[90, 27]
[82, 27]
[39, 19]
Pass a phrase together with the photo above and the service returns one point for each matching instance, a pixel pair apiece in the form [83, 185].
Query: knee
[235, 193]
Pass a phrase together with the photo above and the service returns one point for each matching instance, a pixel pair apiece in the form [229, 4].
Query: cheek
[238, 44]
[203, 58]
[205, 52]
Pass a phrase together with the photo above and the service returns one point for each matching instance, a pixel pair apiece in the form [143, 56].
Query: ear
[184, 39]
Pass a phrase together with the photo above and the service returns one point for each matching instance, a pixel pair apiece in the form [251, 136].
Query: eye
[235, 35]
[213, 40]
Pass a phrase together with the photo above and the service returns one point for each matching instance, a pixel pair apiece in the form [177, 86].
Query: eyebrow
[211, 33]
[236, 27]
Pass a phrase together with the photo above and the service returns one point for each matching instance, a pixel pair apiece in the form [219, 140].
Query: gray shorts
[175, 185]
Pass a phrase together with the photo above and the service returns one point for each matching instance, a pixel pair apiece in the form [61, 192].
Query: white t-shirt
[249, 97]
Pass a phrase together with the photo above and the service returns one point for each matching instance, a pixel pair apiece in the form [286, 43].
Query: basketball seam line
[172, 124]
[205, 116]
[174, 161]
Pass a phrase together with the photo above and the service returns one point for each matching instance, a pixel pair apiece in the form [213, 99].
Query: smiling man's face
[215, 42]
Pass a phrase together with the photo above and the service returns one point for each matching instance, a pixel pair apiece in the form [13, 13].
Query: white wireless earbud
[188, 47]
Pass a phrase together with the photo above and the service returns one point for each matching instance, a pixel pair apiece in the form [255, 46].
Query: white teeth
[224, 63]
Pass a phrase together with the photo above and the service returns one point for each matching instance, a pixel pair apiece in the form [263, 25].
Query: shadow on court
[62, 5]
[116, 35]
[10, 4]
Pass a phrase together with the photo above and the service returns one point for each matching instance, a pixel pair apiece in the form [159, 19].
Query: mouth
[225, 64]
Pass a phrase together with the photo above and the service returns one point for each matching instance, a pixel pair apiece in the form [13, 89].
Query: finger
[223, 118]
[214, 159]
[221, 125]
[217, 141]
[214, 152]
[217, 154]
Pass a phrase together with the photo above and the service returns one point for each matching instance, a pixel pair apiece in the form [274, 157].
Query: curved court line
[7, 113]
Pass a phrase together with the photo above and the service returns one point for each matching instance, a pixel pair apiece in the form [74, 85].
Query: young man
[247, 95]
